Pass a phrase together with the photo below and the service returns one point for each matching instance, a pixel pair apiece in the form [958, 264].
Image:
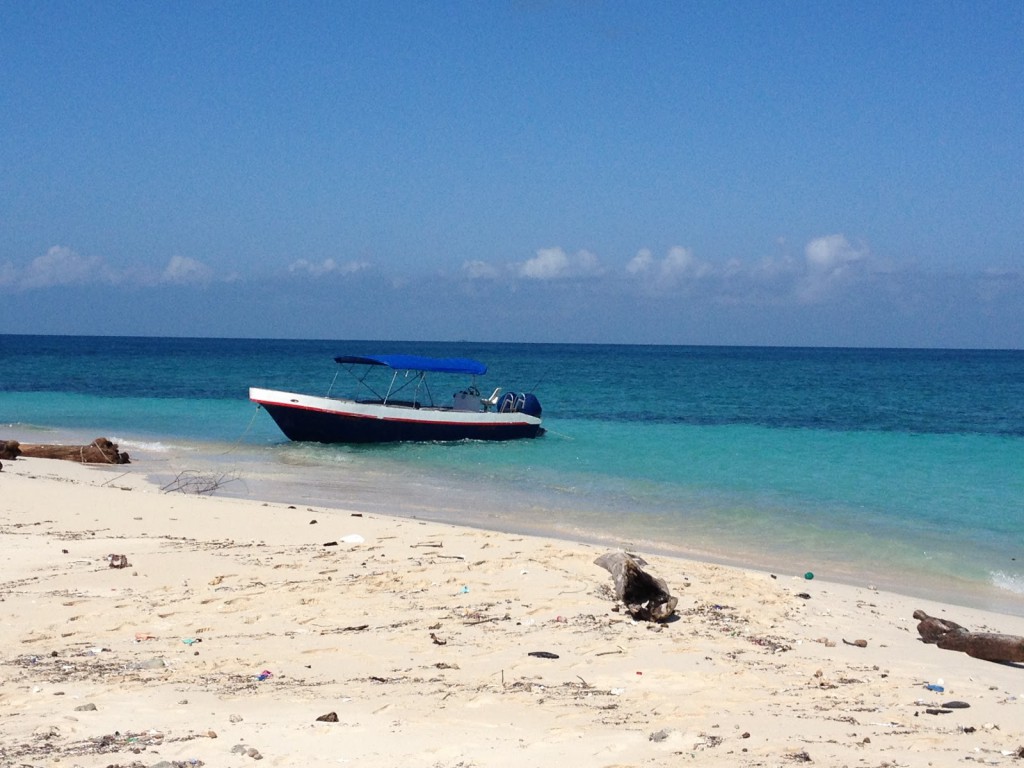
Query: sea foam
[1011, 582]
[140, 445]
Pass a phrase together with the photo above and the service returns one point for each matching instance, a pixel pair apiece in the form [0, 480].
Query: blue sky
[689, 173]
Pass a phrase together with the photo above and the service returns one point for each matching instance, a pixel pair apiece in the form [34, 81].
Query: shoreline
[478, 506]
[407, 489]
[235, 626]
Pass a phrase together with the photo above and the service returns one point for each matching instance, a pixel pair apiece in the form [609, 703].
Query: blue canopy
[417, 363]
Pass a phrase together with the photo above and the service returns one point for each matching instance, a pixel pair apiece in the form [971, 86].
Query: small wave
[138, 445]
[1011, 582]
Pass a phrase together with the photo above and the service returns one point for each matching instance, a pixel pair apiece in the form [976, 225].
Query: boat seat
[492, 401]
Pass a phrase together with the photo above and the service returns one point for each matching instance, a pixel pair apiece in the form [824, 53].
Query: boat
[399, 406]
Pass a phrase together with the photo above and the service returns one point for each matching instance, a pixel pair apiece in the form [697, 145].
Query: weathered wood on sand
[99, 451]
[950, 636]
[646, 597]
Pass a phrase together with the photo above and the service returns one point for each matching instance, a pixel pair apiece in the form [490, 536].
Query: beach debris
[242, 749]
[543, 654]
[99, 451]
[198, 483]
[646, 597]
[809, 575]
[438, 640]
[950, 636]
[859, 643]
[266, 674]
[330, 717]
[118, 561]
[956, 705]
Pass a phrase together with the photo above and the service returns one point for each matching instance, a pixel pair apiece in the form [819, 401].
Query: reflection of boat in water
[406, 410]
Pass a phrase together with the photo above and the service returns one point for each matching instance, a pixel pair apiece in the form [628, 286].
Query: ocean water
[900, 469]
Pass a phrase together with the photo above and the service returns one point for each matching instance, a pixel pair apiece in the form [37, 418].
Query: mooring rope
[241, 437]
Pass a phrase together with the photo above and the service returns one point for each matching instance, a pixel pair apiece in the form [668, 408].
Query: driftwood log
[99, 451]
[950, 636]
[646, 597]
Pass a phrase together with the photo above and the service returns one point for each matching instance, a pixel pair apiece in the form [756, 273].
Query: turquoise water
[895, 468]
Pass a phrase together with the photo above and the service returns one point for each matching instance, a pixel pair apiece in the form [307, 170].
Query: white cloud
[480, 270]
[327, 267]
[831, 262]
[678, 265]
[680, 262]
[62, 266]
[548, 264]
[184, 269]
[642, 262]
[831, 252]
[555, 263]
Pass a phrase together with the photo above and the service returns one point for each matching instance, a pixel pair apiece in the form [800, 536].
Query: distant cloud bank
[58, 266]
[556, 264]
[62, 266]
[829, 264]
[182, 269]
[829, 267]
[327, 267]
[829, 291]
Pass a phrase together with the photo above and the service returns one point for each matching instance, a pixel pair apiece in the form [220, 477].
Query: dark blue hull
[322, 427]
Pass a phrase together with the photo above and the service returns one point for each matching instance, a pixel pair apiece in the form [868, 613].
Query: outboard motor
[531, 405]
[521, 402]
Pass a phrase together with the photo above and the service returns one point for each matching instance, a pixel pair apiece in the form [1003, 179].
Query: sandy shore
[236, 624]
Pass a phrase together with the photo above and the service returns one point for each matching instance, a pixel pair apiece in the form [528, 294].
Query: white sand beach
[235, 625]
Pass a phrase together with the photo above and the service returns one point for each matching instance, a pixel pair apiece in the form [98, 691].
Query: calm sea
[895, 468]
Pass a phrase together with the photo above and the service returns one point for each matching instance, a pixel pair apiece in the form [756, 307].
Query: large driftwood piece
[646, 597]
[99, 451]
[950, 636]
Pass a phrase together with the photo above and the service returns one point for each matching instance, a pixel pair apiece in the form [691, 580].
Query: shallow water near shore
[902, 469]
